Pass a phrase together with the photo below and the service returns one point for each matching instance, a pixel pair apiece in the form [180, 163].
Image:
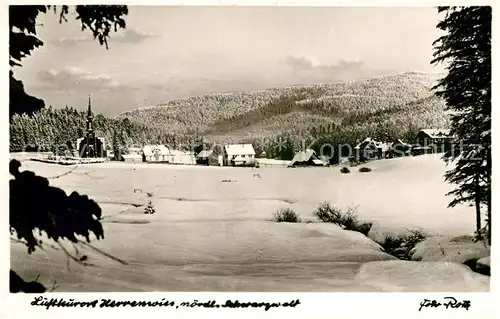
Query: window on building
[242, 156]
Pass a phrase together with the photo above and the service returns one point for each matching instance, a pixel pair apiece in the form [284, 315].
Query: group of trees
[49, 128]
[466, 49]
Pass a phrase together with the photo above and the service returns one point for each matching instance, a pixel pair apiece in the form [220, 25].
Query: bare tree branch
[121, 261]
[68, 254]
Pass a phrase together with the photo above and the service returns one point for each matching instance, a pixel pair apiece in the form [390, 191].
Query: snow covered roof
[304, 156]
[149, 150]
[239, 149]
[205, 153]
[400, 142]
[366, 140]
[318, 162]
[436, 133]
[132, 156]
[382, 145]
[180, 153]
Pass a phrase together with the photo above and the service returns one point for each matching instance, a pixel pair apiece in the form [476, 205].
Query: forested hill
[342, 112]
[396, 101]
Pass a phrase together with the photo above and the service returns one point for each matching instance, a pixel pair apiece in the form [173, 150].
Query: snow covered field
[210, 235]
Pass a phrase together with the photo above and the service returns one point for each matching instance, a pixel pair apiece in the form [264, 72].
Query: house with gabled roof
[238, 155]
[399, 148]
[155, 154]
[181, 157]
[434, 140]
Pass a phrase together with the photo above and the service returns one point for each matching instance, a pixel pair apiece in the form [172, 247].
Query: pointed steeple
[89, 117]
[89, 112]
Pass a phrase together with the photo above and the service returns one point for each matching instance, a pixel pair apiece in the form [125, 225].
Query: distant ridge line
[186, 98]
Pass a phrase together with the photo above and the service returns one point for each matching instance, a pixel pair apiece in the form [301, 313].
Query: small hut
[207, 157]
[131, 158]
[306, 158]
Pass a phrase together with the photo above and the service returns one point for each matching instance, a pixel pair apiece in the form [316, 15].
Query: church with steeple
[91, 146]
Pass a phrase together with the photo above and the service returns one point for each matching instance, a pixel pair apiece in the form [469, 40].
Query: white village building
[162, 154]
[181, 157]
[155, 153]
[239, 155]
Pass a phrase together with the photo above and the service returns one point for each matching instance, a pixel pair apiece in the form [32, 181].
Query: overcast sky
[171, 52]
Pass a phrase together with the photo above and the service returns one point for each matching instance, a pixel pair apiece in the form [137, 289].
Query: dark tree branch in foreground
[17, 284]
[36, 207]
[23, 40]
[19, 101]
[101, 20]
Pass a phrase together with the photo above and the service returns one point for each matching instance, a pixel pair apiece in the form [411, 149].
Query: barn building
[306, 158]
[208, 157]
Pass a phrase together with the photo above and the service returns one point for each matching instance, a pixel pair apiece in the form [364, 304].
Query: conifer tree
[16, 135]
[116, 146]
[466, 88]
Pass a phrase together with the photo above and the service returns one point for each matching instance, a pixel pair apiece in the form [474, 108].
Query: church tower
[90, 145]
[89, 117]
